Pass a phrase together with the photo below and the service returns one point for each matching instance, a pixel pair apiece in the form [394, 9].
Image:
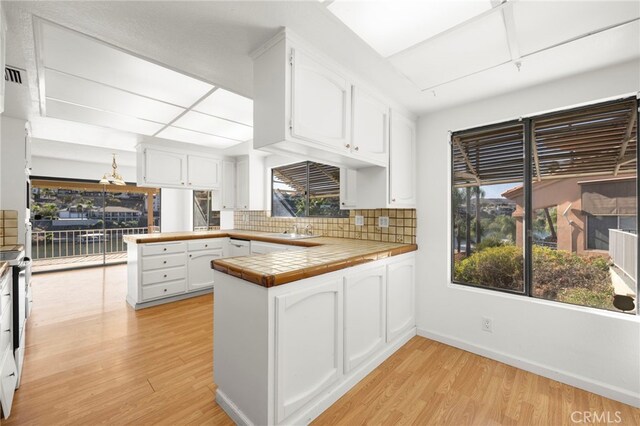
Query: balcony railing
[623, 249]
[80, 242]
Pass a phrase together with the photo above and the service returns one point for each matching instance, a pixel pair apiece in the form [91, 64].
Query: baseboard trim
[581, 382]
[157, 302]
[232, 409]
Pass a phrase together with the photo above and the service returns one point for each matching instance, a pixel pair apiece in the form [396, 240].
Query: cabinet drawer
[158, 262]
[211, 243]
[164, 275]
[156, 291]
[5, 330]
[163, 248]
[5, 298]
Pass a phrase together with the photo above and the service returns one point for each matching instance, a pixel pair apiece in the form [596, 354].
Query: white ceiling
[457, 54]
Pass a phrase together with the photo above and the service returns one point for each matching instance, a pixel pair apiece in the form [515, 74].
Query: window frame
[527, 122]
[307, 197]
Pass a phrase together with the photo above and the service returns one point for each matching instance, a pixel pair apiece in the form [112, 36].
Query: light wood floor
[91, 359]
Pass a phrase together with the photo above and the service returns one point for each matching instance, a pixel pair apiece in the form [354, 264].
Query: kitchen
[313, 215]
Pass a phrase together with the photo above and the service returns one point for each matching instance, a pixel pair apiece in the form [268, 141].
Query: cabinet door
[164, 168]
[364, 315]
[228, 185]
[348, 188]
[242, 184]
[321, 103]
[203, 172]
[370, 127]
[400, 297]
[308, 335]
[200, 273]
[8, 380]
[402, 162]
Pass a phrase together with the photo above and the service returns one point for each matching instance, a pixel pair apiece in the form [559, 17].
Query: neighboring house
[115, 213]
[587, 208]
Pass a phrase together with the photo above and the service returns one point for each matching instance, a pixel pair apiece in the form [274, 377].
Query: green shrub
[488, 243]
[557, 274]
[499, 267]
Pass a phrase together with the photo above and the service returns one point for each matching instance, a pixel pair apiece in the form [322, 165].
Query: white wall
[12, 170]
[176, 214]
[588, 348]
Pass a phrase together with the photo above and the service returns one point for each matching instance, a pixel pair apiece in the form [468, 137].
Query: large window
[306, 189]
[204, 217]
[547, 206]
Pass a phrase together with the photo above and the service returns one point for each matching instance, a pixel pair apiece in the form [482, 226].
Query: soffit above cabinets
[85, 80]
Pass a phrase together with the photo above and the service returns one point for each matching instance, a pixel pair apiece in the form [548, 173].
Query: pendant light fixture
[114, 178]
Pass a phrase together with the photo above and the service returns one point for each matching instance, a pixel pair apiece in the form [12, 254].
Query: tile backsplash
[8, 227]
[402, 224]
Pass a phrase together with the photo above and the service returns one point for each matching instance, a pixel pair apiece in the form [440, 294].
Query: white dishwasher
[239, 247]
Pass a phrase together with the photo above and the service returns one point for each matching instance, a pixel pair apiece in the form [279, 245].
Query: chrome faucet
[295, 229]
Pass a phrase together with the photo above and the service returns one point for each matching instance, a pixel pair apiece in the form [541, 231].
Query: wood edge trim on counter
[180, 236]
[272, 280]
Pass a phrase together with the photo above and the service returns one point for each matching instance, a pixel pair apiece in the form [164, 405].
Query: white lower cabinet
[8, 380]
[308, 332]
[200, 273]
[166, 270]
[364, 315]
[400, 297]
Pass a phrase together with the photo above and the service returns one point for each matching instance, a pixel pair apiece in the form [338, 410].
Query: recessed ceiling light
[390, 26]
[197, 138]
[204, 123]
[225, 104]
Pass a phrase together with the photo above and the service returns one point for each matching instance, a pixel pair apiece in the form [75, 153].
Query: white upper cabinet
[242, 184]
[370, 127]
[348, 188]
[228, 189]
[163, 168]
[402, 162]
[321, 102]
[303, 106]
[203, 172]
[168, 168]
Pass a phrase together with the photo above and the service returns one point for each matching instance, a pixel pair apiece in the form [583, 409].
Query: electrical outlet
[487, 325]
[359, 220]
[383, 221]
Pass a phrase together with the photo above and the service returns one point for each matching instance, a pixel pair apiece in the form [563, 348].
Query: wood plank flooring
[91, 359]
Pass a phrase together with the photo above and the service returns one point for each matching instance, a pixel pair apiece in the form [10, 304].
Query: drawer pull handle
[165, 275]
[206, 245]
[190, 255]
[12, 374]
[7, 330]
[357, 148]
[165, 290]
[164, 249]
[164, 262]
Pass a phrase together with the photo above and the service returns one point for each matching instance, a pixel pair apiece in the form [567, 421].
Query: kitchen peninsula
[297, 323]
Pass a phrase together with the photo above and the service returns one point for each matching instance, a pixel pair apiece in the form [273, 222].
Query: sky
[495, 191]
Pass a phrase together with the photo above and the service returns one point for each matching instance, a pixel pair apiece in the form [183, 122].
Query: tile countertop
[323, 255]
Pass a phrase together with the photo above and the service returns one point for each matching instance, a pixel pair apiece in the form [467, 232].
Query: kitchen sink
[291, 236]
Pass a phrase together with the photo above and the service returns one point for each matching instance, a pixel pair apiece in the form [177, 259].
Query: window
[204, 218]
[547, 206]
[306, 189]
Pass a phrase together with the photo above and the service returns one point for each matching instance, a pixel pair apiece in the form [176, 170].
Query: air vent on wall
[13, 75]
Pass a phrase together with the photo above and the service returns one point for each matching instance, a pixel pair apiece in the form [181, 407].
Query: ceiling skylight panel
[81, 114]
[474, 47]
[197, 138]
[79, 91]
[74, 53]
[204, 123]
[543, 24]
[225, 104]
[390, 26]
